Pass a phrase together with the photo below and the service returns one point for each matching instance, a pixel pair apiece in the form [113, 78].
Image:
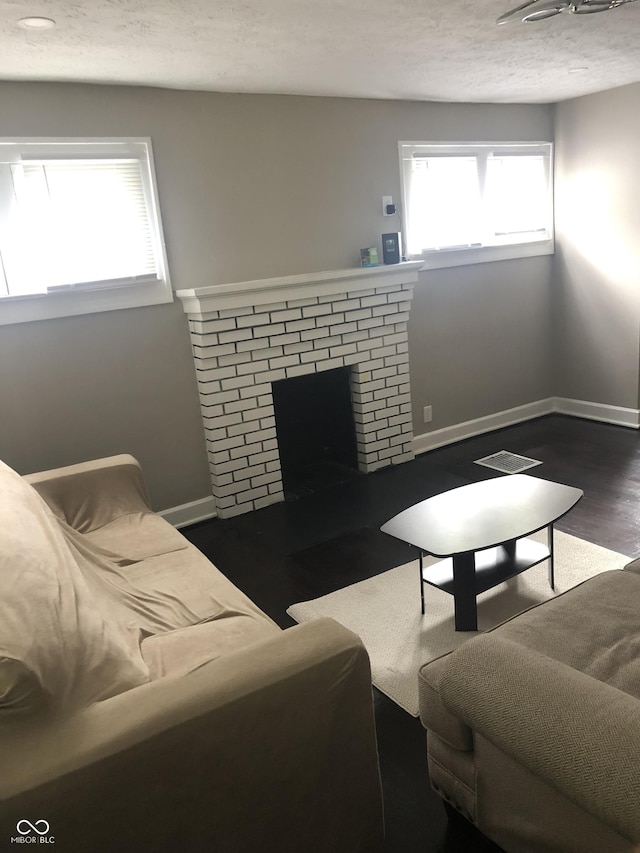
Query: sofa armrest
[633, 566]
[434, 716]
[578, 734]
[91, 494]
[271, 747]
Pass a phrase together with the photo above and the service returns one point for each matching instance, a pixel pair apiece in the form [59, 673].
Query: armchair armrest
[271, 747]
[91, 494]
[578, 734]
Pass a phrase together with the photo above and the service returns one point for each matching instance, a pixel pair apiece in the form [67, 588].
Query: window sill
[27, 309]
[483, 254]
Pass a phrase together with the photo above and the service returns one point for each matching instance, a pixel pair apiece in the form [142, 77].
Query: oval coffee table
[481, 530]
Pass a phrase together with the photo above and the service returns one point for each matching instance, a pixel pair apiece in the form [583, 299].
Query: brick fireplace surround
[247, 335]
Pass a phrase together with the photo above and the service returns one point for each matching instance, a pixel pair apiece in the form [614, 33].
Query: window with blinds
[469, 203]
[79, 228]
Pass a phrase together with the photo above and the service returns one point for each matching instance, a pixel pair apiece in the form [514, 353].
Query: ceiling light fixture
[36, 23]
[538, 10]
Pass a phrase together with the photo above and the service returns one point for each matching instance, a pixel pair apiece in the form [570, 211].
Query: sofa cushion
[20, 691]
[137, 536]
[67, 654]
[162, 592]
[185, 649]
[593, 628]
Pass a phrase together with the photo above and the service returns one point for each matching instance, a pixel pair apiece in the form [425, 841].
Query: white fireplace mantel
[218, 297]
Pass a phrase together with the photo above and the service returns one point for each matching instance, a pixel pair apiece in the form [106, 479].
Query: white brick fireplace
[247, 335]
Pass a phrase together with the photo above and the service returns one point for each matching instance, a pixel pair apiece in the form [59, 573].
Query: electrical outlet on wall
[428, 414]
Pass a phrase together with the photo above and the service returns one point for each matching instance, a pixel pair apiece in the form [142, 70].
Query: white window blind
[74, 218]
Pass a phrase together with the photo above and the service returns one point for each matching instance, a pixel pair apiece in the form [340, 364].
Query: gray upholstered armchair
[533, 728]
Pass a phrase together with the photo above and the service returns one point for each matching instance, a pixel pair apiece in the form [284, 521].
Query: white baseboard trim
[616, 415]
[190, 513]
[488, 423]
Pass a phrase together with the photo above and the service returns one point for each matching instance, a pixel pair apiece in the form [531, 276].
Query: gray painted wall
[480, 340]
[252, 187]
[597, 263]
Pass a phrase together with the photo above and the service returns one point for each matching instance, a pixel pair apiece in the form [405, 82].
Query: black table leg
[510, 549]
[464, 592]
[552, 579]
[421, 563]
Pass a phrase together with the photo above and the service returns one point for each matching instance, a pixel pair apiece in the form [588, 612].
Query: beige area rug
[385, 611]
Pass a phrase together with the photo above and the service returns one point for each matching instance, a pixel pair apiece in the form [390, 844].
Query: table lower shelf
[493, 565]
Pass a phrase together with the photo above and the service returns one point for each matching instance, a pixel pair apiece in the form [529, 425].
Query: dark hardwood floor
[301, 549]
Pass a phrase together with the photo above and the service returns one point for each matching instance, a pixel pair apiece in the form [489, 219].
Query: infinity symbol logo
[32, 827]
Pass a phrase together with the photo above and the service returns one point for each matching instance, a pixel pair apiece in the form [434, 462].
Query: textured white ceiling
[448, 50]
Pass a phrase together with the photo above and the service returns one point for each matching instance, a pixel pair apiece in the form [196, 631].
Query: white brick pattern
[240, 351]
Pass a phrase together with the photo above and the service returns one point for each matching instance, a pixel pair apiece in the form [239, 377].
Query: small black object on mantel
[391, 248]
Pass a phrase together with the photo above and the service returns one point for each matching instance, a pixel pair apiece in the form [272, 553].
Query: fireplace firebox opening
[315, 431]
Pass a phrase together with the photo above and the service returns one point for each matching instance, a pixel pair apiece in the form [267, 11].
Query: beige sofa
[533, 729]
[147, 704]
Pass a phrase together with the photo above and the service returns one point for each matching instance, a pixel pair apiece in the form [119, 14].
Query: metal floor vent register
[507, 463]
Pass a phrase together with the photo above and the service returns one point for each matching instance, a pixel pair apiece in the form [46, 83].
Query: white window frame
[108, 296]
[459, 256]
